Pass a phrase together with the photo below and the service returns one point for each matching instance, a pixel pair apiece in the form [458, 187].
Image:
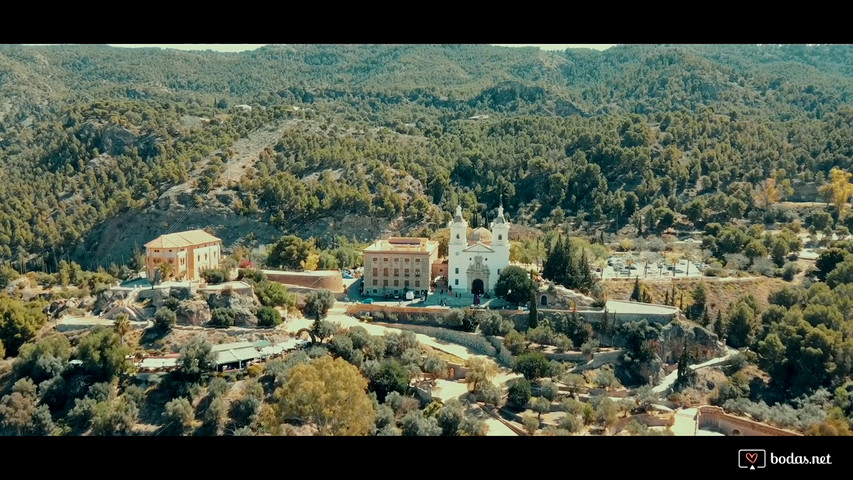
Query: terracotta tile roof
[182, 239]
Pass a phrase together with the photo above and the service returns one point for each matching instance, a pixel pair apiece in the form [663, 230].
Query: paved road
[667, 382]
[685, 422]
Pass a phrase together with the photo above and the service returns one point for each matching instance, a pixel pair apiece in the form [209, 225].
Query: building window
[397, 260]
[457, 236]
[406, 272]
[375, 291]
[417, 273]
[375, 271]
[417, 260]
[406, 283]
[384, 259]
[499, 271]
[407, 259]
[384, 272]
[500, 237]
[396, 272]
[457, 270]
[375, 282]
[457, 282]
[375, 259]
[396, 283]
[156, 251]
[385, 283]
[417, 283]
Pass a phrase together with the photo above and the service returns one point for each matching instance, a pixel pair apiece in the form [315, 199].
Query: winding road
[337, 314]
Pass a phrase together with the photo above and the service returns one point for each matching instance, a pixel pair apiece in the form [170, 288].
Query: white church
[475, 262]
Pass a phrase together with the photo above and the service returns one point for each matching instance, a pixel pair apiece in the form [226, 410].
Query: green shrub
[222, 317]
[268, 317]
[214, 276]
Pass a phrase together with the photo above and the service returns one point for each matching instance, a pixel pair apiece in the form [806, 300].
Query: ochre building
[398, 265]
[190, 253]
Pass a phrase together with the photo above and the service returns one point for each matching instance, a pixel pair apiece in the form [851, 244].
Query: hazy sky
[221, 47]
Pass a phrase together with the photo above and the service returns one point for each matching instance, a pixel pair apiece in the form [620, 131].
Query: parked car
[367, 300]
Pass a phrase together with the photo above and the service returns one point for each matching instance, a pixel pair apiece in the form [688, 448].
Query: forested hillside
[103, 148]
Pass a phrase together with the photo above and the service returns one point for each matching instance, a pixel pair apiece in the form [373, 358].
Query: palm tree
[122, 326]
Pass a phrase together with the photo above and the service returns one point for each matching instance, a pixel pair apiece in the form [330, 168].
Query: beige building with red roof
[189, 252]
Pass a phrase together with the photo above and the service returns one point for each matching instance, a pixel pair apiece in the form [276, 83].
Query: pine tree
[706, 319]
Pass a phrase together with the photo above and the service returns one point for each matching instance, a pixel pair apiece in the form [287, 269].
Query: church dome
[481, 234]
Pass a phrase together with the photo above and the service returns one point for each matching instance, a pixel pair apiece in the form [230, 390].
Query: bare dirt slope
[721, 292]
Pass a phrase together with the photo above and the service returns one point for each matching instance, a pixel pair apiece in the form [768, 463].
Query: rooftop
[617, 306]
[157, 363]
[225, 286]
[403, 245]
[305, 273]
[182, 239]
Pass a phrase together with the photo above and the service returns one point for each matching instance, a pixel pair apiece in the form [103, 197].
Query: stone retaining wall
[329, 279]
[661, 419]
[715, 418]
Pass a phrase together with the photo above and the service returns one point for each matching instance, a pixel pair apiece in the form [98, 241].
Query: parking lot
[629, 267]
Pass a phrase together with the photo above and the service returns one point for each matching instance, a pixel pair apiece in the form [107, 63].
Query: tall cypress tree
[585, 273]
[552, 270]
[635, 295]
[720, 326]
[569, 265]
[533, 318]
[706, 319]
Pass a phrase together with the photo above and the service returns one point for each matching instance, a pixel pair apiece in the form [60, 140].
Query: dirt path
[247, 149]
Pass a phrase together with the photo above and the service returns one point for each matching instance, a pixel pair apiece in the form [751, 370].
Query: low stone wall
[456, 371]
[715, 418]
[656, 419]
[600, 359]
[357, 309]
[598, 392]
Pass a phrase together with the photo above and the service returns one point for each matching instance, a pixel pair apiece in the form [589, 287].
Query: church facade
[475, 261]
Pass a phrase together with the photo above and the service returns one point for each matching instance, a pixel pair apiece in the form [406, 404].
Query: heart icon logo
[752, 457]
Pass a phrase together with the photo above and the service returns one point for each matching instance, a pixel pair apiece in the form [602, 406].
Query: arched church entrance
[544, 301]
[477, 287]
